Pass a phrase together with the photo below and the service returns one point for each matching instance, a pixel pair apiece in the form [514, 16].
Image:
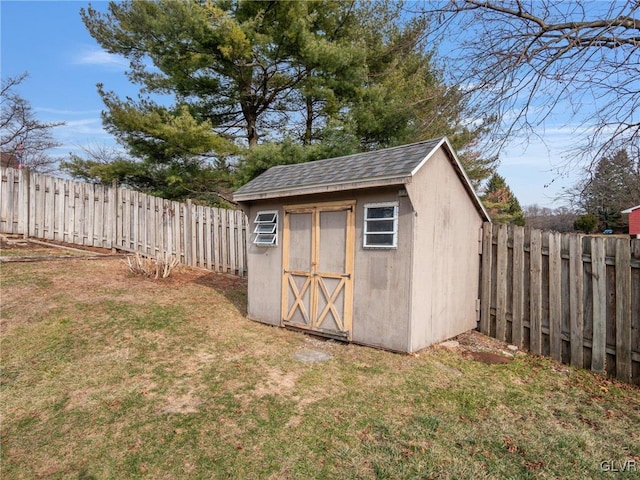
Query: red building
[634, 220]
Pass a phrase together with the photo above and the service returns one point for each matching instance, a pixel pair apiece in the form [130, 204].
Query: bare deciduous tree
[612, 186]
[560, 219]
[522, 61]
[21, 134]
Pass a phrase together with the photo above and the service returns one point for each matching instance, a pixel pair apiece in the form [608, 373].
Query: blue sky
[48, 40]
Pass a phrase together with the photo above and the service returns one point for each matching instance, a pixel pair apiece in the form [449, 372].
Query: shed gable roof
[632, 209]
[391, 166]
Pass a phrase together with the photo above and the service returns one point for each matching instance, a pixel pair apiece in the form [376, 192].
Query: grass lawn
[109, 376]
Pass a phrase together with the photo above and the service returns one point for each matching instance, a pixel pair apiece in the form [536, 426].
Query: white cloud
[82, 127]
[96, 56]
[57, 111]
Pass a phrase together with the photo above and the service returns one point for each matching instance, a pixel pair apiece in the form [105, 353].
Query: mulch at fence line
[29, 245]
[49, 258]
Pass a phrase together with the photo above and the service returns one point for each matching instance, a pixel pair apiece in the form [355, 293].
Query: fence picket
[126, 219]
[143, 219]
[194, 236]
[74, 214]
[90, 213]
[599, 291]
[231, 240]
[223, 240]
[576, 300]
[623, 310]
[177, 247]
[555, 296]
[32, 204]
[187, 219]
[241, 241]
[201, 236]
[517, 323]
[501, 283]
[60, 198]
[535, 297]
[6, 202]
[49, 191]
[485, 281]
[213, 222]
[152, 223]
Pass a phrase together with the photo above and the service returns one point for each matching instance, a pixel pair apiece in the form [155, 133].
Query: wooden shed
[379, 248]
[634, 220]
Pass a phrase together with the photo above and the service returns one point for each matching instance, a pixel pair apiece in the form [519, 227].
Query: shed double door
[318, 255]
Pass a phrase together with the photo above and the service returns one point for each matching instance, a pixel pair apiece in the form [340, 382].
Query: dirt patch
[222, 282]
[488, 357]
[276, 383]
[182, 404]
[479, 347]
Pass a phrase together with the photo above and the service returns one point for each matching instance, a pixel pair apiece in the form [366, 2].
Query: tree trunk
[251, 118]
[248, 106]
[306, 140]
[252, 134]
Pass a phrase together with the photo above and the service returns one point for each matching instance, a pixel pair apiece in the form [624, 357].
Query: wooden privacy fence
[50, 208]
[572, 297]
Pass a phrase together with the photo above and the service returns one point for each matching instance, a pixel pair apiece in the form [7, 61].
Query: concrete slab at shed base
[312, 356]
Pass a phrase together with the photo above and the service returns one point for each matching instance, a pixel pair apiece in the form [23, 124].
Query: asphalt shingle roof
[395, 162]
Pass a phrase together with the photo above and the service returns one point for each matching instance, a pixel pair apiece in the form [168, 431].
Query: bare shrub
[150, 267]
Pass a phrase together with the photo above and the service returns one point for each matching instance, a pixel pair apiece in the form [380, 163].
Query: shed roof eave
[629, 210]
[322, 188]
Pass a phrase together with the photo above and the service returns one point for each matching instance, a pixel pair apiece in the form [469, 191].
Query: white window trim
[367, 206]
[266, 238]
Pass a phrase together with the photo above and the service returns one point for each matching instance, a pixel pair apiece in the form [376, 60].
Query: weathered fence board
[535, 294]
[576, 301]
[599, 293]
[518, 305]
[623, 310]
[485, 282]
[10, 198]
[572, 297]
[50, 208]
[555, 296]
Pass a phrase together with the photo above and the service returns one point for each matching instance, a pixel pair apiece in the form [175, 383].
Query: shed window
[381, 225]
[266, 228]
